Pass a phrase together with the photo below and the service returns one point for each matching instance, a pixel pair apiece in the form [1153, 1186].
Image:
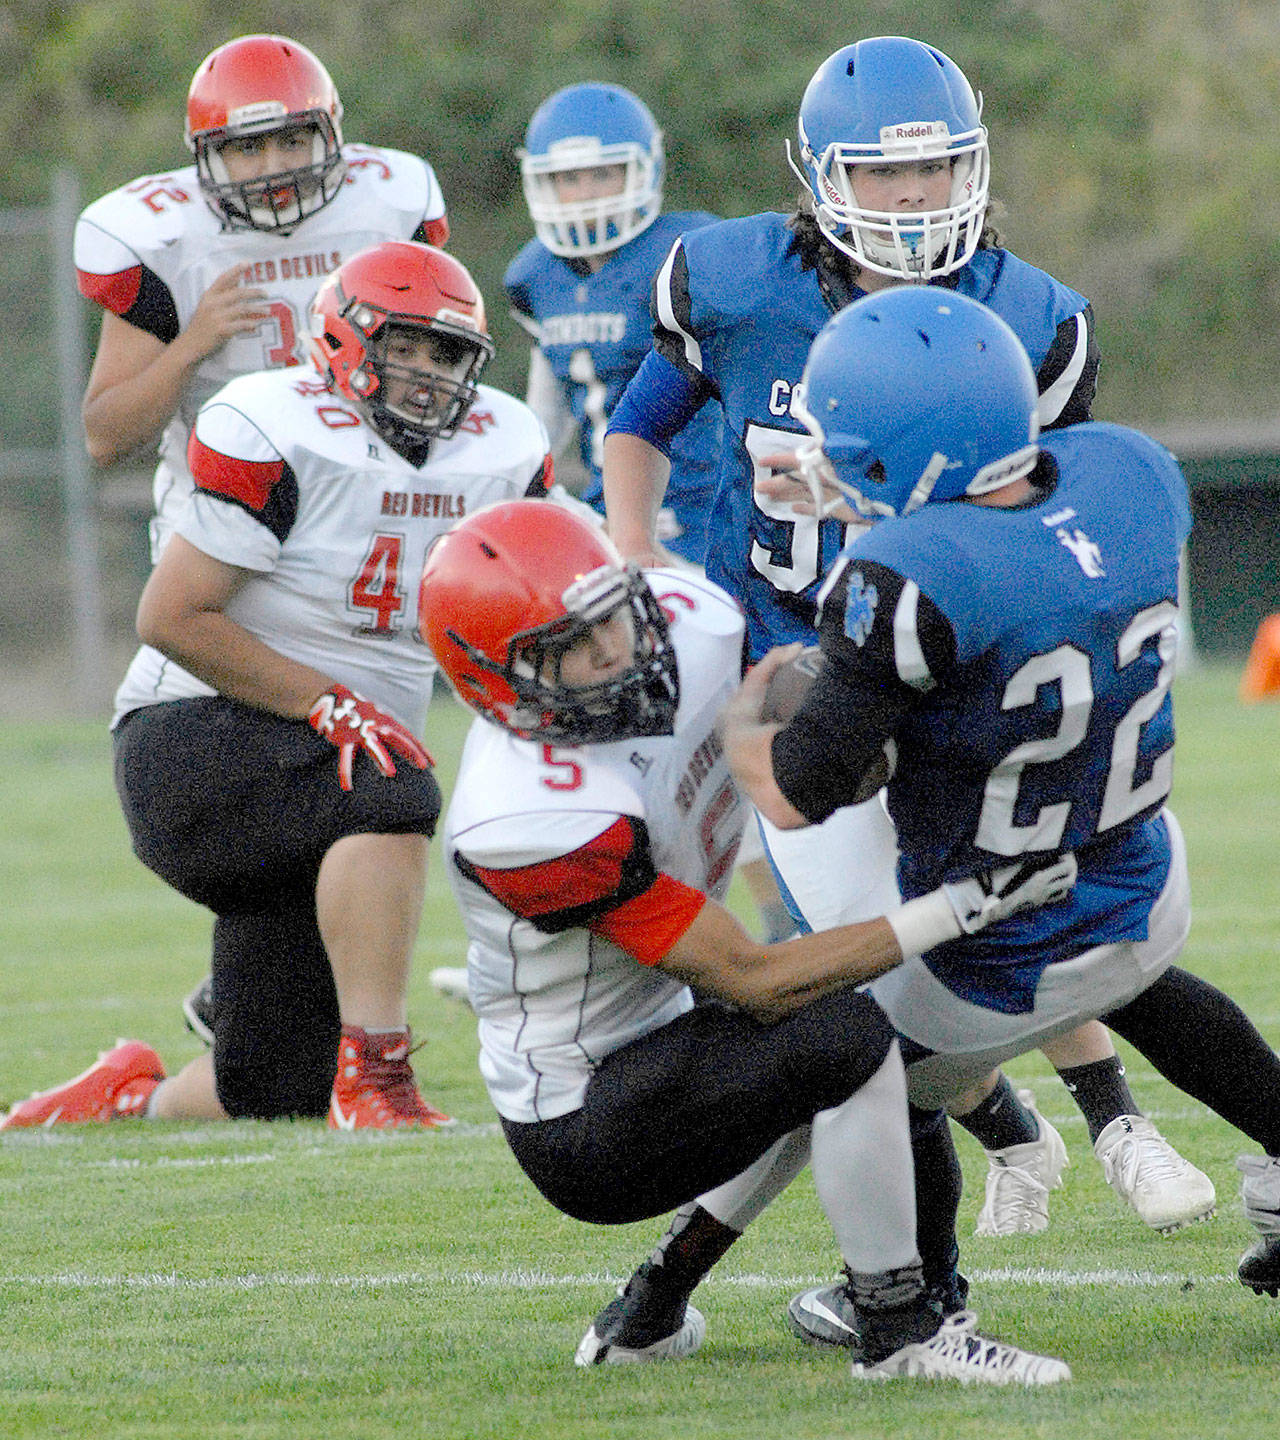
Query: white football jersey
[150, 250]
[293, 485]
[552, 1005]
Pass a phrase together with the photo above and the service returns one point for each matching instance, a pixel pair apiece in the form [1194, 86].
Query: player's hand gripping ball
[789, 684]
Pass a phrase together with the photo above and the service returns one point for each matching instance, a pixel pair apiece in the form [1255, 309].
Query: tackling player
[1029, 719]
[278, 625]
[593, 824]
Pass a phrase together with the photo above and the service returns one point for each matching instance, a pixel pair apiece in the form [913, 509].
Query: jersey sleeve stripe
[117, 293]
[664, 305]
[1054, 397]
[434, 232]
[249, 482]
[586, 876]
[908, 654]
[648, 926]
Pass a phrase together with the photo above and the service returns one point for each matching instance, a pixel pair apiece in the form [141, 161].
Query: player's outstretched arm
[716, 955]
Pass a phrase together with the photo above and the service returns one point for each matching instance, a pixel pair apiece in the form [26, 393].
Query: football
[789, 684]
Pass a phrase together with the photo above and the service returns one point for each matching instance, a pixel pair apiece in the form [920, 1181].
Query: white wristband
[922, 923]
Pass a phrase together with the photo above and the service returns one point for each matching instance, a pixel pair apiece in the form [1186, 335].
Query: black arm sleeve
[860, 698]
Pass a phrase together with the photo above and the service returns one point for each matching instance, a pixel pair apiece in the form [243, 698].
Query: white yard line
[515, 1280]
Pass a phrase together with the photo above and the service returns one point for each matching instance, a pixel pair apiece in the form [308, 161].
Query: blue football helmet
[916, 394]
[891, 100]
[588, 127]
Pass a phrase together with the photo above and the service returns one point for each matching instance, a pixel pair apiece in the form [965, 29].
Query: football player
[279, 624]
[205, 272]
[1028, 719]
[591, 832]
[593, 166]
[894, 165]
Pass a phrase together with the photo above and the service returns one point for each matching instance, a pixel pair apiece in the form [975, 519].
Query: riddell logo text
[429, 504]
[912, 132]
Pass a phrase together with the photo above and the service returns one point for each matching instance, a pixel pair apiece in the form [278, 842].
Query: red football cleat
[374, 1088]
[118, 1084]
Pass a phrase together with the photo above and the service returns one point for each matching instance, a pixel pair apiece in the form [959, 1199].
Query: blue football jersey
[1040, 644]
[736, 310]
[594, 330]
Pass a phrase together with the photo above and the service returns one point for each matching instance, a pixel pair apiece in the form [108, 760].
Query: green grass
[254, 1280]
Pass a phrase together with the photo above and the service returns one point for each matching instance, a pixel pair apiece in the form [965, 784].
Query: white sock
[864, 1175]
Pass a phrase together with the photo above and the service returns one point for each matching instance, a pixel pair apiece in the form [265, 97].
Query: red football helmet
[249, 88]
[509, 590]
[369, 317]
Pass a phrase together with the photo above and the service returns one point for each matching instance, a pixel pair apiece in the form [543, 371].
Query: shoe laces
[1015, 1196]
[1141, 1160]
[958, 1349]
[389, 1073]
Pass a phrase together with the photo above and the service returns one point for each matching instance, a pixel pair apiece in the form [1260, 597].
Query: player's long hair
[839, 271]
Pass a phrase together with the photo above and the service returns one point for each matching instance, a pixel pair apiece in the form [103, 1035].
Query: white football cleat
[1146, 1172]
[1019, 1179]
[649, 1319]
[957, 1352]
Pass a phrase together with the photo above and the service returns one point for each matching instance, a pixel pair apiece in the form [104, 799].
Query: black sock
[1000, 1120]
[692, 1245]
[1202, 1042]
[1100, 1090]
[938, 1184]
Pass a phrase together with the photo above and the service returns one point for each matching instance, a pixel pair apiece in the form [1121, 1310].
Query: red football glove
[353, 723]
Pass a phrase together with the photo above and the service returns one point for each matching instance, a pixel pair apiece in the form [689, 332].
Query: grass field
[255, 1280]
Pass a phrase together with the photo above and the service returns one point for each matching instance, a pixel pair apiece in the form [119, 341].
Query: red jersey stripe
[648, 926]
[248, 481]
[592, 872]
[117, 293]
